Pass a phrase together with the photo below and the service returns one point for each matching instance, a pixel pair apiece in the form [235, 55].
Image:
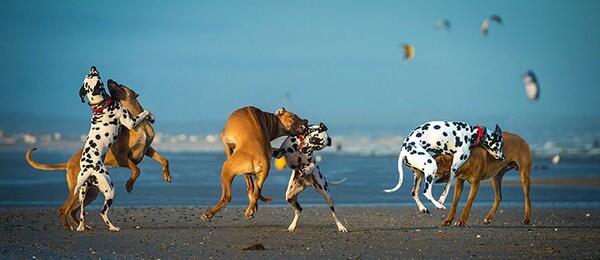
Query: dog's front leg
[291, 196]
[497, 184]
[458, 187]
[132, 121]
[467, 210]
[150, 152]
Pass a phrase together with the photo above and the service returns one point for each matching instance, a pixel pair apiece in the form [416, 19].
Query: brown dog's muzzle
[299, 127]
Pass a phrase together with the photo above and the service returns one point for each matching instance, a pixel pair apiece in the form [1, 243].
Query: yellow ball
[280, 163]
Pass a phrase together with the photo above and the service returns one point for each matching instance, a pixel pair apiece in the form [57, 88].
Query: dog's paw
[81, 228]
[207, 216]
[525, 222]
[425, 211]
[114, 229]
[249, 215]
[487, 221]
[342, 229]
[459, 224]
[446, 223]
[441, 207]
[167, 175]
[129, 185]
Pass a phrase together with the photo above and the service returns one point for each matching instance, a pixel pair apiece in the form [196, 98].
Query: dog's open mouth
[300, 129]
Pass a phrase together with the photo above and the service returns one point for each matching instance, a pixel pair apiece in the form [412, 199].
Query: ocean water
[196, 182]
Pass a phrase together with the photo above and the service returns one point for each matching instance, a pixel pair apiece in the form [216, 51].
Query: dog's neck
[479, 135]
[98, 108]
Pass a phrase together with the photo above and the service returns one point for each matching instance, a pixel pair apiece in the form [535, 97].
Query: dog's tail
[41, 166]
[400, 174]
[337, 182]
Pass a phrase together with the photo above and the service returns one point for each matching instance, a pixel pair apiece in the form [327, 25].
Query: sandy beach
[374, 232]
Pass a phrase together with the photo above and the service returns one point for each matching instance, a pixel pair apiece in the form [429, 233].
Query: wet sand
[375, 232]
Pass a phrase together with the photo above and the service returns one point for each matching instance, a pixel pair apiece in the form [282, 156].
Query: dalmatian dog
[108, 116]
[298, 152]
[443, 137]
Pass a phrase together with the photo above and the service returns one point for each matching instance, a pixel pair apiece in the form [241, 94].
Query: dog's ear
[280, 112]
[82, 93]
[323, 127]
[498, 132]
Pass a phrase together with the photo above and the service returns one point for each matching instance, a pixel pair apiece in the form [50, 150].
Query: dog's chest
[104, 128]
[293, 156]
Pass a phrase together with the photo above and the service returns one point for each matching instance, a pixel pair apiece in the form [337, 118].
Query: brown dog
[127, 151]
[247, 140]
[482, 166]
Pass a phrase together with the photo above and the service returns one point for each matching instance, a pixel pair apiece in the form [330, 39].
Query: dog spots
[457, 142]
[436, 127]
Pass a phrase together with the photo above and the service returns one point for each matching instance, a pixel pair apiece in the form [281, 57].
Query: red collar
[99, 109]
[479, 135]
[301, 139]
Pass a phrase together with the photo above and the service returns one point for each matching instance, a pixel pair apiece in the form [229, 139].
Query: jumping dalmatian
[108, 116]
[298, 152]
[443, 137]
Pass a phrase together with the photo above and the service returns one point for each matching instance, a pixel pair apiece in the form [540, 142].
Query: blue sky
[194, 62]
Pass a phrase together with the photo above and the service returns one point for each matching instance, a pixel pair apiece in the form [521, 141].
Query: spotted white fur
[442, 137]
[298, 151]
[108, 116]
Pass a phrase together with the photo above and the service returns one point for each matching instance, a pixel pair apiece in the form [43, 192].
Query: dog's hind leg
[467, 210]
[291, 196]
[429, 172]
[73, 208]
[262, 171]
[135, 173]
[107, 188]
[525, 171]
[415, 191]
[458, 188]
[325, 193]
[66, 211]
[227, 174]
[150, 152]
[497, 184]
[82, 191]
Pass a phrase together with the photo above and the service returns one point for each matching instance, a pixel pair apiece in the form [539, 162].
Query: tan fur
[127, 151]
[482, 166]
[247, 141]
